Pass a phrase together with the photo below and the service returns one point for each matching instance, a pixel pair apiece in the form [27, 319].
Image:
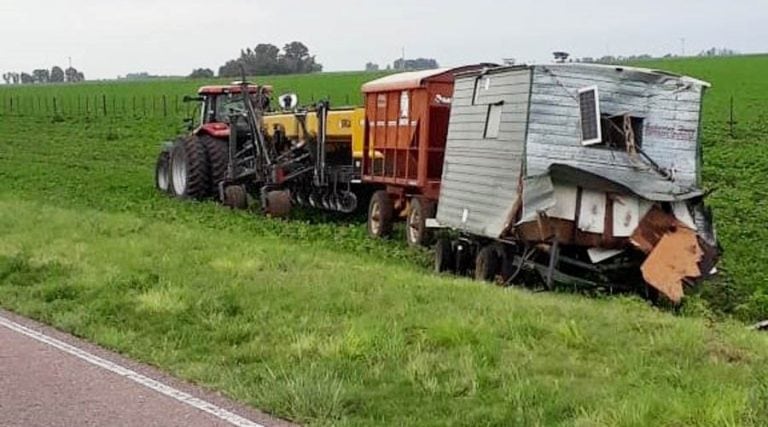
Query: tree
[57, 75]
[415, 64]
[73, 76]
[202, 73]
[371, 67]
[27, 79]
[7, 78]
[561, 57]
[41, 75]
[267, 59]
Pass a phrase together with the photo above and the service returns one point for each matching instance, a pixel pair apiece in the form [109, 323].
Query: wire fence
[139, 106]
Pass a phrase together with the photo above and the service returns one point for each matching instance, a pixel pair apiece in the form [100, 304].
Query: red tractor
[193, 166]
[230, 154]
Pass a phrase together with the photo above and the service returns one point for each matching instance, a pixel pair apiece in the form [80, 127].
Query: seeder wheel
[277, 204]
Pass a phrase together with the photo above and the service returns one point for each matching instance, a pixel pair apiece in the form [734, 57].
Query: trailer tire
[190, 176]
[162, 172]
[487, 264]
[381, 214]
[444, 260]
[217, 153]
[416, 231]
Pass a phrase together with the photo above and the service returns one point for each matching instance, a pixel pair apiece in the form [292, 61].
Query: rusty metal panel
[481, 175]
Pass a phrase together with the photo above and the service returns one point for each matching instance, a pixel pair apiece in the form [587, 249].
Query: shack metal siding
[670, 108]
[481, 176]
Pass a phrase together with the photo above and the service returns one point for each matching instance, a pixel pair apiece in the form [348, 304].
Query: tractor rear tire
[162, 172]
[487, 264]
[381, 213]
[217, 153]
[416, 231]
[444, 257]
[190, 177]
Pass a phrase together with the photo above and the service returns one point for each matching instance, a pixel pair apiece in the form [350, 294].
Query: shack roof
[633, 73]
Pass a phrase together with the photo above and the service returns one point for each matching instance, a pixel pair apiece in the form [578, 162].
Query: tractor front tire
[381, 212]
[190, 171]
[162, 172]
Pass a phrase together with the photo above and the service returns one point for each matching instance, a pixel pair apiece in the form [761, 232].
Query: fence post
[87, 107]
[144, 106]
[165, 106]
[114, 105]
[154, 105]
[134, 105]
[55, 107]
[104, 103]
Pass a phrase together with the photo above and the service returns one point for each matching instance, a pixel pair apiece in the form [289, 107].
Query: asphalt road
[48, 378]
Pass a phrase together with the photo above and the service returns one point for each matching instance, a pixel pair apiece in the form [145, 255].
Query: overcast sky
[107, 38]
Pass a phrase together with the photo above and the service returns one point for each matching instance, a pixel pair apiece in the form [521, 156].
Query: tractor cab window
[226, 105]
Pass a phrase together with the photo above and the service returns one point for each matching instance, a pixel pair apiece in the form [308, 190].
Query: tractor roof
[225, 89]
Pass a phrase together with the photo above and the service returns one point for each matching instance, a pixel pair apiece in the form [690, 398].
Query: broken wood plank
[675, 258]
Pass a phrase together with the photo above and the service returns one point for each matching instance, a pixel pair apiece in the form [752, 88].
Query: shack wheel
[487, 264]
[190, 177]
[235, 197]
[417, 232]
[162, 172]
[444, 262]
[380, 215]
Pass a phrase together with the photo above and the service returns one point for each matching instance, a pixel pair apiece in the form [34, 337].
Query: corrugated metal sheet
[669, 106]
[481, 175]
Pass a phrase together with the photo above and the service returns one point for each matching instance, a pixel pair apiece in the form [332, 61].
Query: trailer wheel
[464, 257]
[217, 154]
[487, 264]
[444, 262]
[190, 177]
[235, 197]
[380, 215]
[162, 172]
[417, 232]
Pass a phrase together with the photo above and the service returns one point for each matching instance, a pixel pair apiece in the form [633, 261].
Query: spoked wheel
[417, 232]
[162, 172]
[235, 197]
[380, 215]
[189, 170]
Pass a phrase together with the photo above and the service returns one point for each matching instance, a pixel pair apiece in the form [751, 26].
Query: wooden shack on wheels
[579, 174]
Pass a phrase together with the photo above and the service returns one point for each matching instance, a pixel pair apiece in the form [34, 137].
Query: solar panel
[590, 116]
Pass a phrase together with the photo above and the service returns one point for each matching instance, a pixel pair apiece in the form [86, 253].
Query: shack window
[589, 103]
[622, 131]
[405, 104]
[481, 84]
[493, 121]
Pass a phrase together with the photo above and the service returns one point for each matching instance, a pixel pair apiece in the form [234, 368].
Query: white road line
[145, 381]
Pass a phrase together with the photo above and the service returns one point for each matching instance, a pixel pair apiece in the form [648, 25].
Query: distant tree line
[267, 59]
[609, 59]
[42, 75]
[406, 65]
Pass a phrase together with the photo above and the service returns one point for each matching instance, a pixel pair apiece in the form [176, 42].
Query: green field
[312, 321]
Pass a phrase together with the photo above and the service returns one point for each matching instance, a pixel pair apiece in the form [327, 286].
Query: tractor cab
[217, 103]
